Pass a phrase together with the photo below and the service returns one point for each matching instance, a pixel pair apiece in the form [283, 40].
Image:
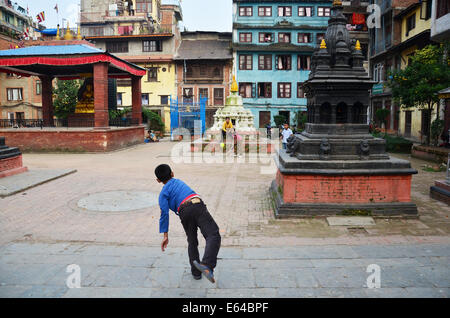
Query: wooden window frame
[245, 11]
[264, 10]
[243, 37]
[20, 89]
[262, 62]
[304, 14]
[283, 94]
[246, 66]
[285, 11]
[325, 10]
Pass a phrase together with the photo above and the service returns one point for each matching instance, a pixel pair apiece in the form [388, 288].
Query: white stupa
[234, 108]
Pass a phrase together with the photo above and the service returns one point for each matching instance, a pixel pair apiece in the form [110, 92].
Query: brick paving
[236, 195]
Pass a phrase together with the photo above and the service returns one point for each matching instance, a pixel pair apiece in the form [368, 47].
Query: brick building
[384, 55]
[19, 96]
[204, 66]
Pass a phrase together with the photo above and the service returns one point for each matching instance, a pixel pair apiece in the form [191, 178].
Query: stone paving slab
[32, 178]
[350, 221]
[39, 270]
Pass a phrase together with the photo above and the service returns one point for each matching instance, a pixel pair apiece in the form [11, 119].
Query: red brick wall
[344, 189]
[73, 140]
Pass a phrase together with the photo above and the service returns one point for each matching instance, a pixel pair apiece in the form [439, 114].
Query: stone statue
[324, 149]
[364, 148]
[293, 145]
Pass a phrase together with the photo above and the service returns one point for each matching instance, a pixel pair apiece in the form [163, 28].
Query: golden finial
[358, 46]
[323, 45]
[68, 35]
[57, 32]
[234, 85]
[79, 37]
[337, 3]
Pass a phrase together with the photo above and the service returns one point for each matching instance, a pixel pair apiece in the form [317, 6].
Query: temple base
[441, 191]
[325, 188]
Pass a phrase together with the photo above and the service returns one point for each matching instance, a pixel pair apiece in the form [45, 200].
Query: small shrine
[241, 117]
[10, 160]
[335, 166]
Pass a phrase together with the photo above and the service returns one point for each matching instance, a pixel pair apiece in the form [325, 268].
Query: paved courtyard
[46, 228]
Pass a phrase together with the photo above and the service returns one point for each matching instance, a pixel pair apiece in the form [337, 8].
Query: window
[265, 11]
[218, 96]
[117, 47]
[152, 74]
[265, 37]
[304, 37]
[284, 11]
[284, 90]
[265, 62]
[304, 62]
[245, 37]
[245, 11]
[246, 90]
[38, 87]
[125, 30]
[14, 93]
[203, 93]
[188, 95]
[119, 99]
[145, 98]
[378, 72]
[245, 62]
[151, 46]
[284, 62]
[300, 91]
[442, 8]
[323, 11]
[143, 5]
[164, 100]
[305, 11]
[425, 12]
[284, 37]
[410, 23]
[265, 90]
[320, 37]
[96, 31]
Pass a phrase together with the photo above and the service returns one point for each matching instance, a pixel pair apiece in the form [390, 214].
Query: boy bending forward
[178, 197]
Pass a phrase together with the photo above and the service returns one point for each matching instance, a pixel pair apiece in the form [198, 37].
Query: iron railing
[72, 123]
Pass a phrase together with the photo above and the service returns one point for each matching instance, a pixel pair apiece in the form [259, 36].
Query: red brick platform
[73, 139]
[441, 191]
[344, 189]
[11, 166]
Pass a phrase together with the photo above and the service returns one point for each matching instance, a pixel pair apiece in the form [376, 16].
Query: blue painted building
[272, 43]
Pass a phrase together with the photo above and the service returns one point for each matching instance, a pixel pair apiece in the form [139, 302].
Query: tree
[381, 115]
[417, 85]
[66, 97]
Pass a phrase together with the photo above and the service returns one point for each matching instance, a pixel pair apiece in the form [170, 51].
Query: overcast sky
[199, 15]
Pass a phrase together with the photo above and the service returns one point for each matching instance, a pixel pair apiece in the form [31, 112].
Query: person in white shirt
[285, 134]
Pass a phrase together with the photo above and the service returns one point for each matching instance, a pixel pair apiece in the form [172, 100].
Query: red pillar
[47, 100]
[101, 115]
[136, 99]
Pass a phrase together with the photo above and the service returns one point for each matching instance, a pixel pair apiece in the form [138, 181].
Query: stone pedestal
[441, 191]
[10, 160]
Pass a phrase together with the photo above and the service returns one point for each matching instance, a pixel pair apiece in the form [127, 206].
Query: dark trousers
[196, 216]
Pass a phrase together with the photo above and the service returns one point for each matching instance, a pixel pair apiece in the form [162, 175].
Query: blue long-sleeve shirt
[173, 193]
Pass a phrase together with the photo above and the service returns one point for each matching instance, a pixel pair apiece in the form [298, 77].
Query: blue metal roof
[51, 50]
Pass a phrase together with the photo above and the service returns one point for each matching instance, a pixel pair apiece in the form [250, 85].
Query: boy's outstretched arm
[164, 220]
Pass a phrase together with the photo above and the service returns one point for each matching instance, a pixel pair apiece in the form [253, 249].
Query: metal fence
[184, 114]
[75, 123]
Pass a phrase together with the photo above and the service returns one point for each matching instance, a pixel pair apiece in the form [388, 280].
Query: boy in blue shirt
[180, 198]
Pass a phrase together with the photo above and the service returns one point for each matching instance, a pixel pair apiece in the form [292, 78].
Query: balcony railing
[64, 123]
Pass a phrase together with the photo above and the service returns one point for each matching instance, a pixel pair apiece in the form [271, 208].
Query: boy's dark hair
[163, 172]
[227, 117]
